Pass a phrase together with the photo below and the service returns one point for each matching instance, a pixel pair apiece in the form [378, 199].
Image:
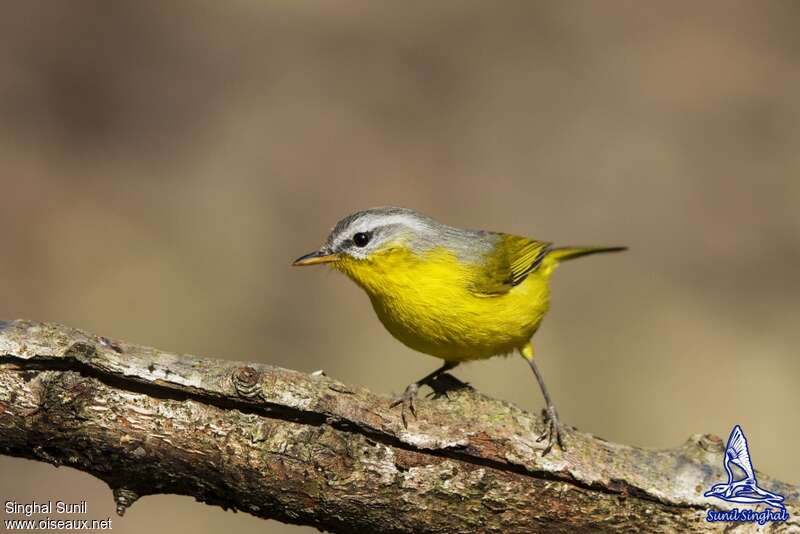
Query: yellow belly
[426, 303]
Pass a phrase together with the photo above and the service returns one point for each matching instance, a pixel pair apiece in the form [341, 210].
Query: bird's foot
[407, 402]
[553, 431]
[445, 384]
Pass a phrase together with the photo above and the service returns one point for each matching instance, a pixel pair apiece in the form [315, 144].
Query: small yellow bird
[455, 294]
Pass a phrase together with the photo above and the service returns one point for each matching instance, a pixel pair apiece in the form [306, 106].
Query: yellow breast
[425, 301]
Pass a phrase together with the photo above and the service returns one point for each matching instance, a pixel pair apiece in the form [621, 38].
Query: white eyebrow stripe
[370, 222]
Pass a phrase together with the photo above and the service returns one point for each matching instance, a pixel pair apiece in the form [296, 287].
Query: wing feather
[738, 452]
[508, 264]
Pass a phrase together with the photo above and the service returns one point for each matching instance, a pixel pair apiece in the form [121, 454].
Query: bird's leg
[410, 393]
[553, 430]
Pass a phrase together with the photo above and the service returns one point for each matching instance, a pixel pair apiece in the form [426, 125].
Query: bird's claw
[445, 385]
[553, 431]
[434, 394]
[407, 401]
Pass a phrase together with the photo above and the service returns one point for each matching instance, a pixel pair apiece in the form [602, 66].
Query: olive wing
[507, 264]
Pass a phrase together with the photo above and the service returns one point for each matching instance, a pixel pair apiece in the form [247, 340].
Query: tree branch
[308, 449]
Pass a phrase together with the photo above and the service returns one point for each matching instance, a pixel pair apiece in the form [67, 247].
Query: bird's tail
[560, 254]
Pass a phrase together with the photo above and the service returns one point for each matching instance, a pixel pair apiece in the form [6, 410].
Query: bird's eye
[361, 239]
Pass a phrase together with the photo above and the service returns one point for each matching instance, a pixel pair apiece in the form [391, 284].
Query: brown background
[162, 163]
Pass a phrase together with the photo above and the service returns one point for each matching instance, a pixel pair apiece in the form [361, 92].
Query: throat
[384, 274]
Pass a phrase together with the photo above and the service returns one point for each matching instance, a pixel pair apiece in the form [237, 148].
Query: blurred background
[162, 163]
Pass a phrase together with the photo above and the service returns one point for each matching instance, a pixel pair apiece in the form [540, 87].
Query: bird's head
[716, 490]
[372, 236]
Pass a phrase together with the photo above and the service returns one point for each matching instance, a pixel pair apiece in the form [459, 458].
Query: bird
[458, 295]
[746, 489]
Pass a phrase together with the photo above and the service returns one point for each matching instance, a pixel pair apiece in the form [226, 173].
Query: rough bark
[308, 449]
